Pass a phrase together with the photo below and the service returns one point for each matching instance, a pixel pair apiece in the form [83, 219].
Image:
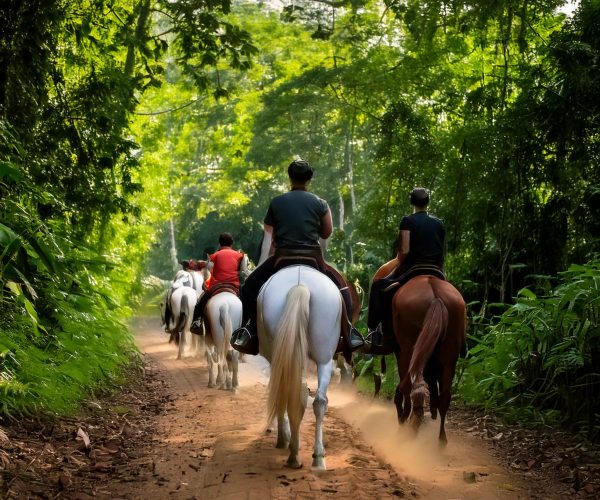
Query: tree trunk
[138, 37]
[174, 261]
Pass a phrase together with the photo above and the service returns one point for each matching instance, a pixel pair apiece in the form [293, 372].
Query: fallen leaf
[86, 439]
[588, 488]
[76, 461]
[531, 463]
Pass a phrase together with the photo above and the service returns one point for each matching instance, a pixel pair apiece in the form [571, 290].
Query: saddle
[414, 271]
[311, 257]
[223, 287]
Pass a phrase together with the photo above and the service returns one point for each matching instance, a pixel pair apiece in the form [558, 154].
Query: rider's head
[300, 171]
[225, 239]
[419, 197]
[185, 264]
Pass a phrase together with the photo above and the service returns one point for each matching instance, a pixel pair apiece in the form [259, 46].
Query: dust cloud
[435, 473]
[464, 469]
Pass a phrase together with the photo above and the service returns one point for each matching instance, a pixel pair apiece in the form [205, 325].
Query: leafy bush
[541, 359]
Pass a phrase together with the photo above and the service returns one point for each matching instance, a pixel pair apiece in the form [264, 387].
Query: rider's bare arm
[326, 225]
[404, 245]
[267, 241]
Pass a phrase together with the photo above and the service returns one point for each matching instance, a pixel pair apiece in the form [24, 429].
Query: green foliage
[72, 239]
[542, 356]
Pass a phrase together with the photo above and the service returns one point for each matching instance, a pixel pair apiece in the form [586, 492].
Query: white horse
[222, 315]
[299, 317]
[183, 301]
[182, 296]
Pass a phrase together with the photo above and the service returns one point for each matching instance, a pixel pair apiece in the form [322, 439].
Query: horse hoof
[293, 464]
[211, 385]
[318, 464]
[281, 444]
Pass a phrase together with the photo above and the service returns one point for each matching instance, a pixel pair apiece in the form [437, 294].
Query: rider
[294, 222]
[224, 265]
[421, 251]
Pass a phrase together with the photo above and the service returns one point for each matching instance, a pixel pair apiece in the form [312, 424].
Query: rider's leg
[199, 309]
[377, 304]
[354, 339]
[245, 339]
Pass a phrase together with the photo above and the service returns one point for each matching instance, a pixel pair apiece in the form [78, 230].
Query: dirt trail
[213, 444]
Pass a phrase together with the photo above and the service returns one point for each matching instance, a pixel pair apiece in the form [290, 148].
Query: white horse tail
[225, 320]
[181, 321]
[290, 352]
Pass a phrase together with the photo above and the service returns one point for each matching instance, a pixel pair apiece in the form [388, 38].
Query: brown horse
[429, 321]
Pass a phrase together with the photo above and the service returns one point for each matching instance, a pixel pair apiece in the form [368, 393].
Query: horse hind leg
[445, 396]
[431, 377]
[232, 362]
[211, 361]
[398, 399]
[320, 407]
[295, 415]
[283, 431]
[417, 395]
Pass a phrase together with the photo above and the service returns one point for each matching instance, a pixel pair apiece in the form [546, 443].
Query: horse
[299, 317]
[222, 314]
[182, 300]
[429, 321]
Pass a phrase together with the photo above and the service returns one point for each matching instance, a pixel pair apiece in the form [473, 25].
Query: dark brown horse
[429, 321]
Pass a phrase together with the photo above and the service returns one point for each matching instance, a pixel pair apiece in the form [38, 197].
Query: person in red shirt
[224, 266]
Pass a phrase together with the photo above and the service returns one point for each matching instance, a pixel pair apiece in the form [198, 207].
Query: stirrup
[197, 327]
[355, 339]
[375, 343]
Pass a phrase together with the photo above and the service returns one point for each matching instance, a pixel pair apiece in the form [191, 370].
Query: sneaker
[243, 341]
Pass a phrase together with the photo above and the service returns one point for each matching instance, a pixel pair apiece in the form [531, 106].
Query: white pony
[183, 301]
[299, 317]
[182, 296]
[222, 315]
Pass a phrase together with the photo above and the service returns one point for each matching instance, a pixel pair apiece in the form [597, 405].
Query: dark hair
[185, 264]
[225, 239]
[419, 197]
[299, 170]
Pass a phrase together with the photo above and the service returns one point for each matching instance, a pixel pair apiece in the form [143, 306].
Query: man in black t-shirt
[293, 225]
[421, 250]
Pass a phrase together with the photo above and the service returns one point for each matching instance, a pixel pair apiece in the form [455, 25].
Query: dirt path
[213, 444]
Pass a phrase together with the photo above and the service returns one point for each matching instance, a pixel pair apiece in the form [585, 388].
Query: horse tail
[434, 326]
[225, 320]
[290, 349]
